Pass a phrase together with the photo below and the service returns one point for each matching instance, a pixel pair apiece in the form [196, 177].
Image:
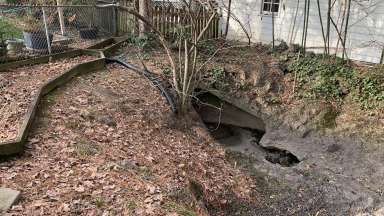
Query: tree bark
[346, 28]
[228, 18]
[328, 25]
[322, 26]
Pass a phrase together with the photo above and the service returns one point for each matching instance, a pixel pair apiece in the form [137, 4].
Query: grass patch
[174, 207]
[100, 202]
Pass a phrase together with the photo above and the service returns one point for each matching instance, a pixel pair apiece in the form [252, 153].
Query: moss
[327, 118]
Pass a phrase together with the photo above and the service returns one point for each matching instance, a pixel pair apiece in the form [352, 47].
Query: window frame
[271, 3]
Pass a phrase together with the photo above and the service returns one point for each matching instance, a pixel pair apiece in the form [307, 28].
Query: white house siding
[366, 26]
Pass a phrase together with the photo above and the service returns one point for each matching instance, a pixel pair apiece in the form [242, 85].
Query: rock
[86, 114]
[8, 197]
[107, 120]
[333, 148]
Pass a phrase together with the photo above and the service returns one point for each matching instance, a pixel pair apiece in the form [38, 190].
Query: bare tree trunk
[322, 26]
[228, 18]
[306, 26]
[145, 11]
[338, 34]
[346, 28]
[328, 24]
[294, 23]
[304, 23]
[188, 71]
[273, 31]
[342, 24]
[382, 56]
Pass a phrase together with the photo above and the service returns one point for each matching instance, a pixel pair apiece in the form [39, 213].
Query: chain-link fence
[30, 31]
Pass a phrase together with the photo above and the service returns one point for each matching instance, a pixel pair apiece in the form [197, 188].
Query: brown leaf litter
[18, 87]
[108, 144]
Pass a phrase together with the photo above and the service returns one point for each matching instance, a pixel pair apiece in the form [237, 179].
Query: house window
[271, 6]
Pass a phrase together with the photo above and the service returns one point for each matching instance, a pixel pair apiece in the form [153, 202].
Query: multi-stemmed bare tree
[185, 64]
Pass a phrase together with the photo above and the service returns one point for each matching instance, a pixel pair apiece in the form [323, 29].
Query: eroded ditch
[238, 130]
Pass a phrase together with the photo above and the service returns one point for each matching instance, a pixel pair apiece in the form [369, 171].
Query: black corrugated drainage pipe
[154, 78]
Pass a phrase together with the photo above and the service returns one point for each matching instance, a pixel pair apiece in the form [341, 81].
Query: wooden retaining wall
[107, 46]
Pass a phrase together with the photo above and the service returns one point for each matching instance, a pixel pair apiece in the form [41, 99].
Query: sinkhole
[238, 130]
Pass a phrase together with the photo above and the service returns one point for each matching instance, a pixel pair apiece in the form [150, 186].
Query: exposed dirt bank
[340, 149]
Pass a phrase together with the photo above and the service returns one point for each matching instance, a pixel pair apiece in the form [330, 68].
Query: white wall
[366, 26]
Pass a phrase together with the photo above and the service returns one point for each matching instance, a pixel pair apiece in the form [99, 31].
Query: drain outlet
[282, 157]
[239, 131]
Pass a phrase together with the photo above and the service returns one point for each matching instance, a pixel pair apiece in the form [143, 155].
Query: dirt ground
[18, 87]
[342, 162]
[107, 143]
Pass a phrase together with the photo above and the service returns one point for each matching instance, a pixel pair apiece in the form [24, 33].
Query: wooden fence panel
[166, 18]
[126, 23]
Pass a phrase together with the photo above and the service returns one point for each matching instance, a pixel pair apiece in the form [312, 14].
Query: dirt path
[18, 87]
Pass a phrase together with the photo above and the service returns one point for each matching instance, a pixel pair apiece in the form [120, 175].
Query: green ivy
[167, 72]
[331, 79]
[146, 42]
[217, 78]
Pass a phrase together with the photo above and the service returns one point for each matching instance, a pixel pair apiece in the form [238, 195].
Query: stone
[107, 120]
[8, 197]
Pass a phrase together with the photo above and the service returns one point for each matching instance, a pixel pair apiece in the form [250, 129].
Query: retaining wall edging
[17, 145]
[46, 59]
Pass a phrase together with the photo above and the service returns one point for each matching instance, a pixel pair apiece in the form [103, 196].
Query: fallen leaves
[18, 87]
[127, 155]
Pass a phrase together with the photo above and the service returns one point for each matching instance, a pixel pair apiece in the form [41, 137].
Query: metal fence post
[61, 17]
[46, 31]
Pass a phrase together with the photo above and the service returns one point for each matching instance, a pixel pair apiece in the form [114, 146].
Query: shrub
[8, 29]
